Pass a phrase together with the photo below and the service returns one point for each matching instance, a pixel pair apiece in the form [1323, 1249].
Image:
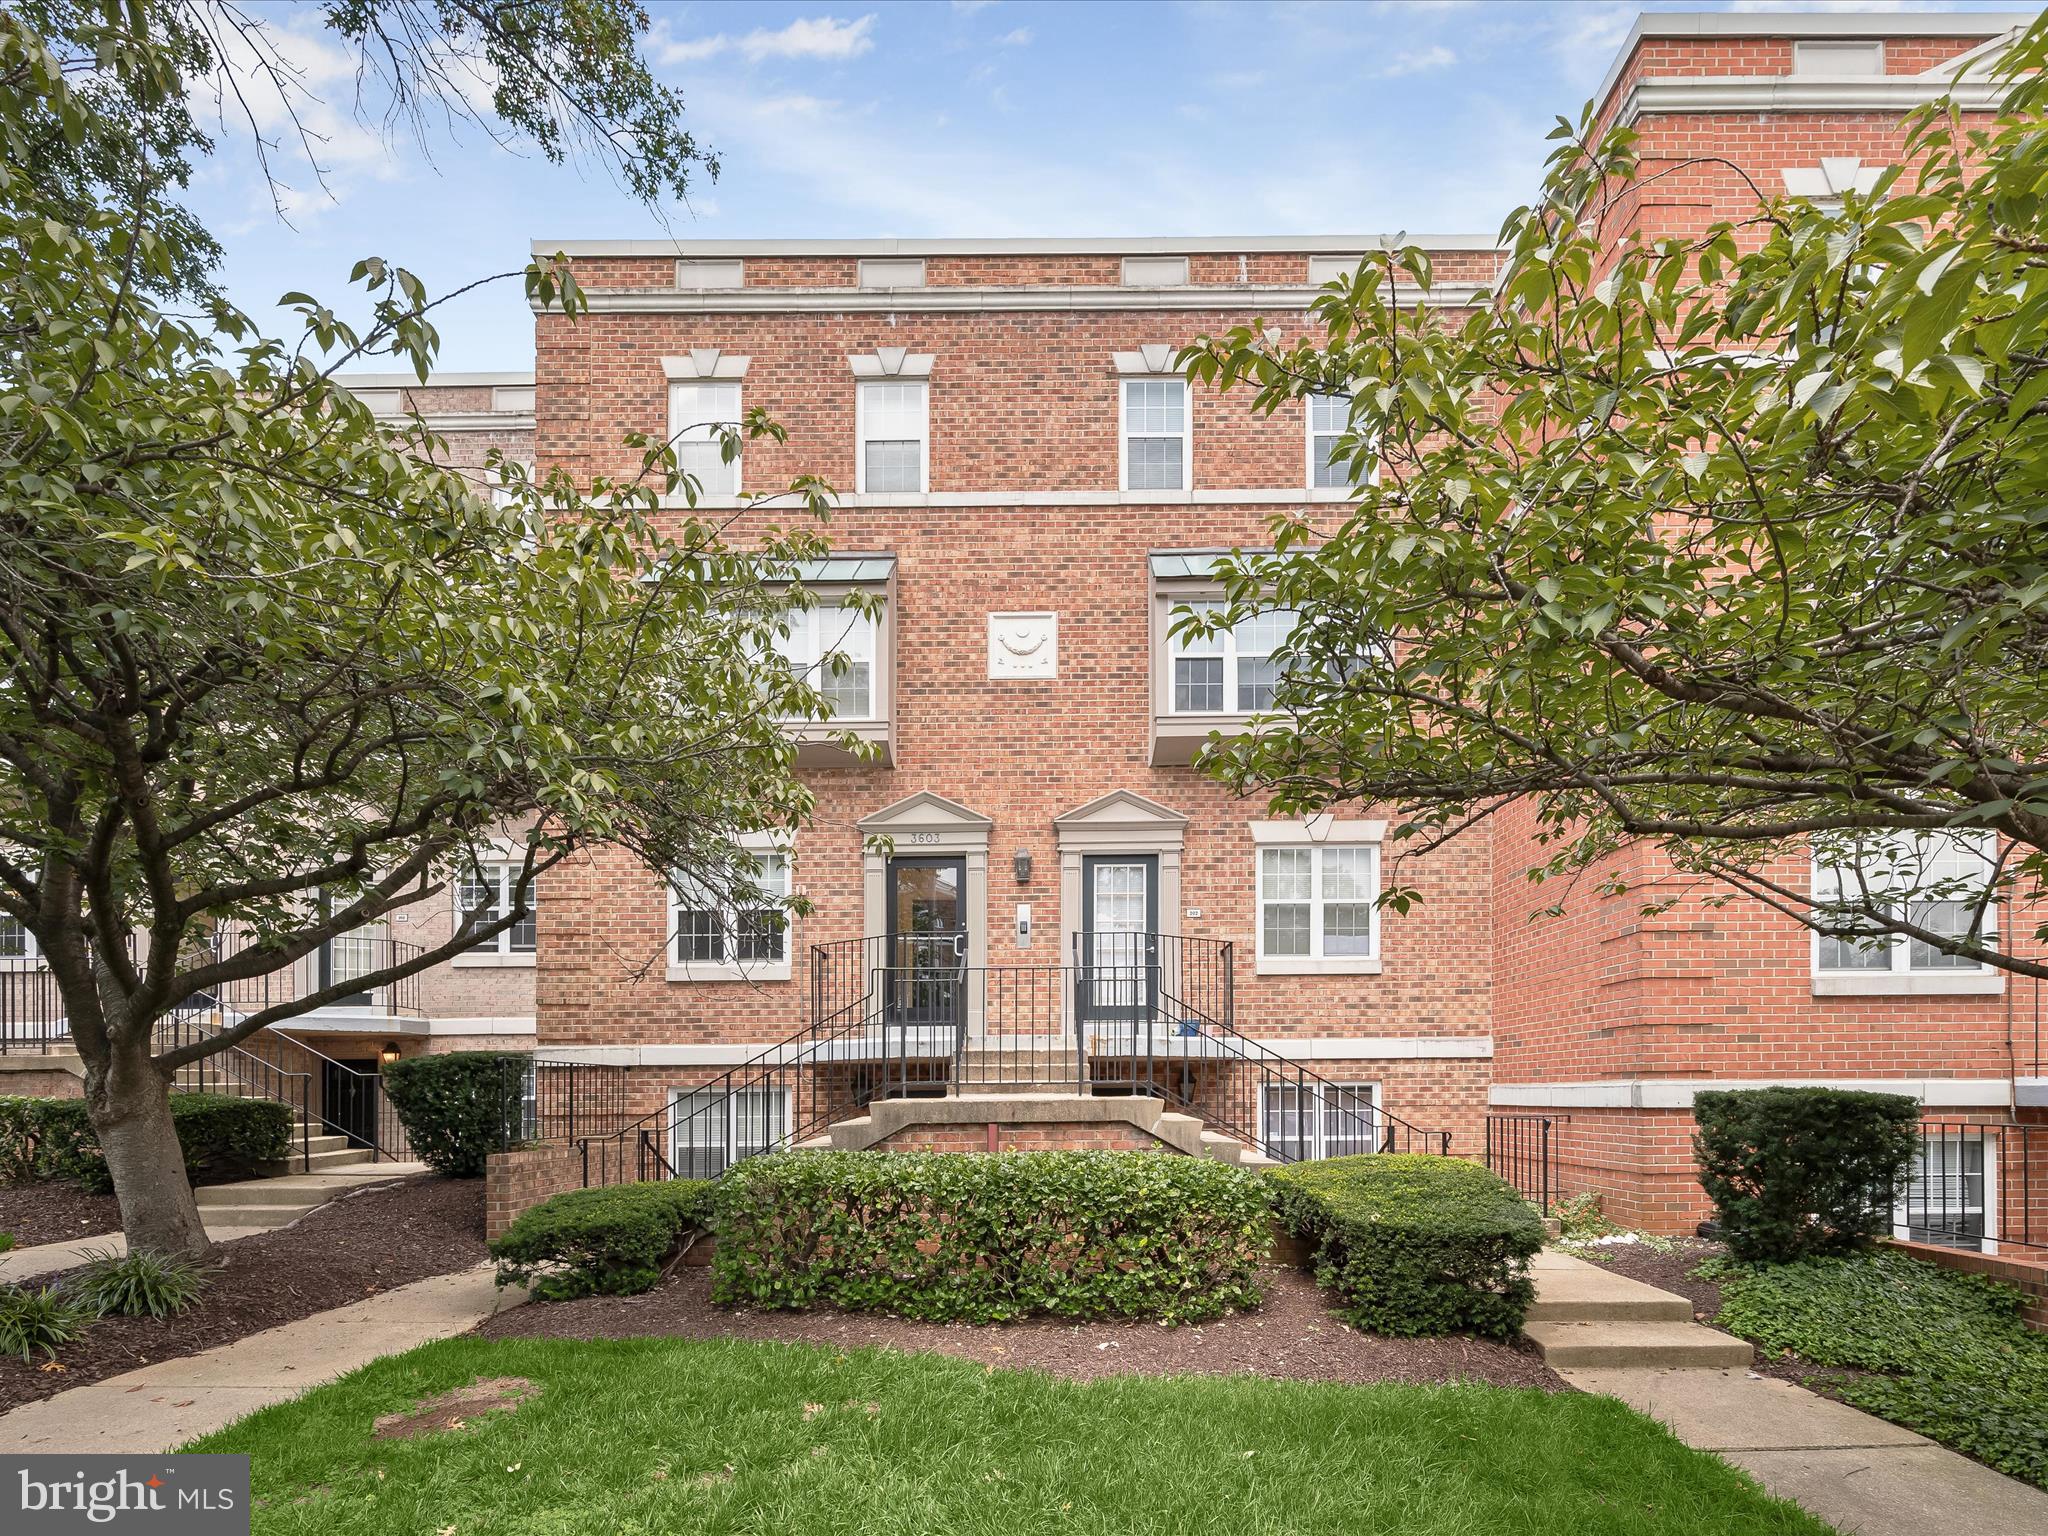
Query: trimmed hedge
[611, 1241]
[1415, 1245]
[1797, 1172]
[460, 1107]
[224, 1139]
[969, 1237]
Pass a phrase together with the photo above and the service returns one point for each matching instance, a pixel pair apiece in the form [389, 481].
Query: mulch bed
[55, 1213]
[1294, 1335]
[365, 1242]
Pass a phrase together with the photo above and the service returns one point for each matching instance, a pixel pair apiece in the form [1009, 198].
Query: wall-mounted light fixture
[390, 1052]
[1023, 864]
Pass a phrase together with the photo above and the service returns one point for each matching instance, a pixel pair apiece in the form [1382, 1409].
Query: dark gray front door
[1119, 935]
[926, 956]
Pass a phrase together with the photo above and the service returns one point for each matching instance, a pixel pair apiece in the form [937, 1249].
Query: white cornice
[1679, 1093]
[1790, 93]
[963, 300]
[1329, 1048]
[1105, 245]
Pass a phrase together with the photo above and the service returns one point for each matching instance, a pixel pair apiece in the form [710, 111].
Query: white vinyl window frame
[1344, 1119]
[18, 948]
[518, 945]
[706, 1137]
[1126, 384]
[1897, 964]
[1360, 842]
[1939, 1191]
[869, 409]
[828, 628]
[776, 881]
[695, 406]
[1229, 646]
[1323, 433]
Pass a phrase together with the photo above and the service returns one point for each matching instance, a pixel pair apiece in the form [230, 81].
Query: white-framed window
[1939, 878]
[1304, 1121]
[710, 1129]
[1329, 418]
[892, 421]
[486, 891]
[831, 630]
[710, 938]
[1157, 446]
[16, 942]
[1951, 1194]
[1318, 907]
[1231, 671]
[695, 408]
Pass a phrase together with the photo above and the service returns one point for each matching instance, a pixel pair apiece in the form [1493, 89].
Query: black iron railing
[1976, 1184]
[32, 1012]
[1527, 1151]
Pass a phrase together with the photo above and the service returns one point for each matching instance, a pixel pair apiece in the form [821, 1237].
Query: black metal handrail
[1527, 1151]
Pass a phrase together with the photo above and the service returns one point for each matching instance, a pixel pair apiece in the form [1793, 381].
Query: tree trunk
[130, 1105]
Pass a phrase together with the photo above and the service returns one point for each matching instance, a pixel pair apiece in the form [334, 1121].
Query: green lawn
[637, 1435]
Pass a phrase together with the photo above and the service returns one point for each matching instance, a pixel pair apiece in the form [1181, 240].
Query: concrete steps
[1585, 1317]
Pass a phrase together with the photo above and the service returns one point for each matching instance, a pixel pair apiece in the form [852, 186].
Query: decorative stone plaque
[1023, 645]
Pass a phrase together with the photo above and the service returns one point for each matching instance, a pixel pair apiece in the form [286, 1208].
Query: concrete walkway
[162, 1406]
[229, 1210]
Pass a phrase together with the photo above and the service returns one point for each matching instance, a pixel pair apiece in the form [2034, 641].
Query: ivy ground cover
[722, 1436]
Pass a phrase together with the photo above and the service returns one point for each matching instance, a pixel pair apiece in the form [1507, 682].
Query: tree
[268, 670]
[1735, 545]
[562, 77]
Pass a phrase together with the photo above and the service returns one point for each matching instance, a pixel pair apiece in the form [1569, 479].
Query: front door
[1119, 935]
[925, 964]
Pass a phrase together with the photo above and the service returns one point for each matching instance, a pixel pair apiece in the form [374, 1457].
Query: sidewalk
[162, 1406]
[229, 1210]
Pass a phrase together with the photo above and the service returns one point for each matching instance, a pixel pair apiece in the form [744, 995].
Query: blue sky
[958, 117]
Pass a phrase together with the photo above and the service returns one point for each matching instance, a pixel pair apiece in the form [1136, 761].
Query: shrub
[610, 1241]
[1413, 1244]
[139, 1284]
[970, 1237]
[38, 1320]
[1951, 1354]
[1795, 1172]
[6, 1241]
[461, 1107]
[224, 1138]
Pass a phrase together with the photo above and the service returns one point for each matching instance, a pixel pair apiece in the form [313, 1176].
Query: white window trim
[676, 426]
[505, 863]
[1265, 835]
[1123, 436]
[1901, 1209]
[733, 970]
[676, 1096]
[1308, 451]
[1897, 980]
[1379, 1110]
[860, 437]
[31, 959]
[814, 669]
[1232, 705]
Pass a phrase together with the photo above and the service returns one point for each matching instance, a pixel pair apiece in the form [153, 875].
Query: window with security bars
[1306, 1121]
[706, 929]
[1155, 433]
[696, 410]
[1230, 671]
[1318, 902]
[1329, 418]
[1947, 1194]
[483, 894]
[834, 647]
[1934, 881]
[710, 1129]
[894, 429]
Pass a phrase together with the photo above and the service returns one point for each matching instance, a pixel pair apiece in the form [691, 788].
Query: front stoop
[1588, 1317]
[1182, 1132]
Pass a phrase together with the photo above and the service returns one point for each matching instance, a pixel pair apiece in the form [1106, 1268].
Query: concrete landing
[1585, 1316]
[1182, 1132]
[164, 1405]
[230, 1211]
[1861, 1475]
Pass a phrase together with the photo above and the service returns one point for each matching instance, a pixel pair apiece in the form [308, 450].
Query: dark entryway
[348, 1095]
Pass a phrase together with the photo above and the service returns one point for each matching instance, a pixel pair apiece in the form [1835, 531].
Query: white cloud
[1018, 38]
[1416, 61]
[808, 37]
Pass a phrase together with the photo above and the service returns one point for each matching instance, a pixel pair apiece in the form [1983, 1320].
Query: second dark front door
[1119, 935]
[926, 954]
